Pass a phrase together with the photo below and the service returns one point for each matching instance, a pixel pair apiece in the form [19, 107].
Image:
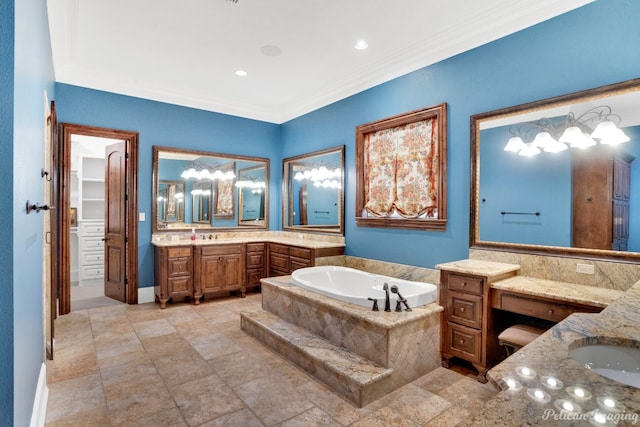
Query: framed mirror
[210, 190]
[313, 192]
[201, 202]
[560, 176]
[251, 186]
[171, 201]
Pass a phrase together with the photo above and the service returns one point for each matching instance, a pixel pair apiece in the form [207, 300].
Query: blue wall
[23, 157]
[6, 221]
[170, 126]
[572, 52]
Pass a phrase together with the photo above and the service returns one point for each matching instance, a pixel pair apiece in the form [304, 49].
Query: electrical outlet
[585, 268]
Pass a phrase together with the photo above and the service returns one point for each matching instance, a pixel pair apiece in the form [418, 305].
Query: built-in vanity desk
[482, 298]
[191, 269]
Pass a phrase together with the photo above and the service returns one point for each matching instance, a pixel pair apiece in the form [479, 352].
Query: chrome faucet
[387, 303]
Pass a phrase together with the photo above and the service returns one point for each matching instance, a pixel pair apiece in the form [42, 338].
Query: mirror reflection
[313, 195]
[195, 189]
[560, 174]
[251, 184]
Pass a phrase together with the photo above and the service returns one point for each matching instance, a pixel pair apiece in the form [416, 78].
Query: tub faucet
[375, 304]
[401, 300]
[387, 303]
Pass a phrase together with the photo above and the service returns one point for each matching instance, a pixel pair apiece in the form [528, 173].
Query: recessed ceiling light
[361, 44]
[241, 73]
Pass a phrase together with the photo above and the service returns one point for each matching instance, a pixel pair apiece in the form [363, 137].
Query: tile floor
[191, 365]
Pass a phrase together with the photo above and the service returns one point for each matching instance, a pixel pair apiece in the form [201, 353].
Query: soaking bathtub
[356, 286]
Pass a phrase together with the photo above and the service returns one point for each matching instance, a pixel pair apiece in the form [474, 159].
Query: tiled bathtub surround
[607, 274]
[408, 343]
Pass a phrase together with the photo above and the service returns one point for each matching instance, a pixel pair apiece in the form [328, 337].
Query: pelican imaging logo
[594, 417]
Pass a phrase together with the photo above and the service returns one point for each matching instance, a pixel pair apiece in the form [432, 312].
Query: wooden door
[115, 222]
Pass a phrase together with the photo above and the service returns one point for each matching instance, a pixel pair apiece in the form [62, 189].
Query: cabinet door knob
[461, 341]
[461, 309]
[464, 284]
[550, 311]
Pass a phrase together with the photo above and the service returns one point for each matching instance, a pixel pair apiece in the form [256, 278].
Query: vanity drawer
[178, 252]
[465, 309]
[179, 266]
[457, 282]
[255, 259]
[254, 275]
[278, 262]
[536, 308]
[464, 342]
[300, 252]
[280, 249]
[221, 250]
[255, 247]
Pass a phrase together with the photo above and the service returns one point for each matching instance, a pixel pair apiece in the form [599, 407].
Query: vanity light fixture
[206, 174]
[558, 134]
[320, 176]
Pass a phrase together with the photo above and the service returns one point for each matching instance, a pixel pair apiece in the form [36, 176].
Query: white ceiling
[186, 52]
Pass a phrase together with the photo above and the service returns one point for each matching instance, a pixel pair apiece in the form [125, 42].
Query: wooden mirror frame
[439, 114]
[287, 193]
[476, 121]
[238, 160]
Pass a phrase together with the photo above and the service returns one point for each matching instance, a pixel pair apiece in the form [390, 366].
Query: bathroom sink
[616, 362]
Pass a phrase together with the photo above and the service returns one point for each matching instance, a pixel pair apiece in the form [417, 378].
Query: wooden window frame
[439, 112]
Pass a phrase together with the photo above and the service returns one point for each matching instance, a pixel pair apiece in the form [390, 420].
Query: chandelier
[552, 136]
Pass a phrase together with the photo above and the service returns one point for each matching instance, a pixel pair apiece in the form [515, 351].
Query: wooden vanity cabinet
[285, 259]
[219, 268]
[173, 272]
[256, 263]
[466, 324]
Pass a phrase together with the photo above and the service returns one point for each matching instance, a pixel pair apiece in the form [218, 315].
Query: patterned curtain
[401, 170]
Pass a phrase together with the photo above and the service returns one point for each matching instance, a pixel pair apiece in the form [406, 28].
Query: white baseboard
[146, 295]
[39, 413]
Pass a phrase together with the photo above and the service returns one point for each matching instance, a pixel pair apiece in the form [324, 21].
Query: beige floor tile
[271, 400]
[193, 365]
[243, 417]
[73, 397]
[205, 399]
[130, 400]
[214, 345]
[385, 417]
[312, 417]
[238, 368]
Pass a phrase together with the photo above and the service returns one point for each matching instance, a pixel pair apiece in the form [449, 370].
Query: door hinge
[126, 155]
[126, 281]
[126, 240]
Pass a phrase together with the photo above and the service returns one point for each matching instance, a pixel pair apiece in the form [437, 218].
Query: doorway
[97, 222]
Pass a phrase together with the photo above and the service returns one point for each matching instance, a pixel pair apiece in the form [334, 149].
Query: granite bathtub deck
[548, 355]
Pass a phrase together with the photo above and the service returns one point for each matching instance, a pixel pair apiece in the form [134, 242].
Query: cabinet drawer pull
[461, 341]
[464, 284]
[461, 309]
[550, 312]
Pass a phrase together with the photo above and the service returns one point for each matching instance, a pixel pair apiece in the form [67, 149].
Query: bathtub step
[355, 378]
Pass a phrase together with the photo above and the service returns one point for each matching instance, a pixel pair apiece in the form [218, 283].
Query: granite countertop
[305, 243]
[490, 269]
[548, 355]
[563, 291]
